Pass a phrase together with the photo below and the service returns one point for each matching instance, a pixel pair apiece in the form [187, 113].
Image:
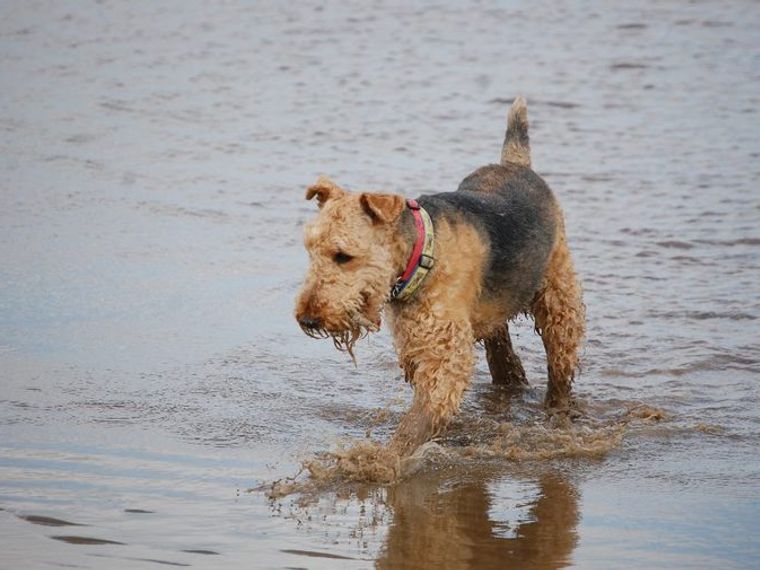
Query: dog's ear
[324, 189]
[382, 208]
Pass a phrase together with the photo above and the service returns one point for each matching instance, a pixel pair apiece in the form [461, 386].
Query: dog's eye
[340, 258]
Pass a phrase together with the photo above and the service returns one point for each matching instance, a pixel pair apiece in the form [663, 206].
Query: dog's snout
[309, 322]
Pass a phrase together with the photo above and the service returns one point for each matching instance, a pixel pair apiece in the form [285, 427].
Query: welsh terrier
[448, 270]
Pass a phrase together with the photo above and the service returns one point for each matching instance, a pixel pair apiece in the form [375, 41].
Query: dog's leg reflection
[438, 523]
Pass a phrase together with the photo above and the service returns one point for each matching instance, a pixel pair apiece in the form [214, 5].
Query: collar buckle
[426, 261]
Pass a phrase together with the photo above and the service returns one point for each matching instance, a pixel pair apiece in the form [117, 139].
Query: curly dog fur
[500, 250]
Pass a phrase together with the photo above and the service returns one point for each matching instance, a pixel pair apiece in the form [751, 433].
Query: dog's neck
[416, 229]
[408, 232]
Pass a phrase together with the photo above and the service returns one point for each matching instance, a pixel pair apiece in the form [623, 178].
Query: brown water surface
[153, 158]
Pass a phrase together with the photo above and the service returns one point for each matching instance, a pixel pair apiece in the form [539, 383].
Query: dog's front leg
[438, 361]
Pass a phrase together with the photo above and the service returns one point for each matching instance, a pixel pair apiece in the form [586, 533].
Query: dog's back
[513, 210]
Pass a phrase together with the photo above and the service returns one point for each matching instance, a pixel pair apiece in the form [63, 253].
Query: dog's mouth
[358, 319]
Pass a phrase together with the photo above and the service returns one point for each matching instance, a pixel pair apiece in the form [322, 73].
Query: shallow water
[153, 163]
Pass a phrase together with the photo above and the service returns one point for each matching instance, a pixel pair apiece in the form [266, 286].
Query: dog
[448, 270]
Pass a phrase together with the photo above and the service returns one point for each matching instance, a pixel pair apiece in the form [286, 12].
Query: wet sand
[153, 161]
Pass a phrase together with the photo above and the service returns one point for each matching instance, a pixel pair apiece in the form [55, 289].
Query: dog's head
[355, 252]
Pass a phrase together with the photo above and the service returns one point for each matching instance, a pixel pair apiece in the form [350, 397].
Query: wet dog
[448, 270]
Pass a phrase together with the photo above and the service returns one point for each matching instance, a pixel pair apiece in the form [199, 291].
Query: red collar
[418, 258]
[414, 260]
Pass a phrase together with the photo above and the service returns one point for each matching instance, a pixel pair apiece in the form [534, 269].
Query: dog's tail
[516, 147]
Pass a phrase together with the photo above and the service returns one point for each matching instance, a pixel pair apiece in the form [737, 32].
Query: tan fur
[488, 318]
[516, 148]
[348, 298]
[433, 335]
[382, 208]
[560, 319]
[323, 189]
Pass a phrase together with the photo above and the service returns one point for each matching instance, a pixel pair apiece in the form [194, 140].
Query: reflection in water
[475, 523]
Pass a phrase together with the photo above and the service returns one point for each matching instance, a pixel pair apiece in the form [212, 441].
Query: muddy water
[153, 161]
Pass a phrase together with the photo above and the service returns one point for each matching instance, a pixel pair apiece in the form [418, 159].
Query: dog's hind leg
[560, 319]
[505, 366]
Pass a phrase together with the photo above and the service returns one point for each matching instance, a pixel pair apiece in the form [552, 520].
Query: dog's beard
[347, 335]
[344, 341]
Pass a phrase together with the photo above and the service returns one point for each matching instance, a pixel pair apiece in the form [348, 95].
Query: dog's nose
[309, 322]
